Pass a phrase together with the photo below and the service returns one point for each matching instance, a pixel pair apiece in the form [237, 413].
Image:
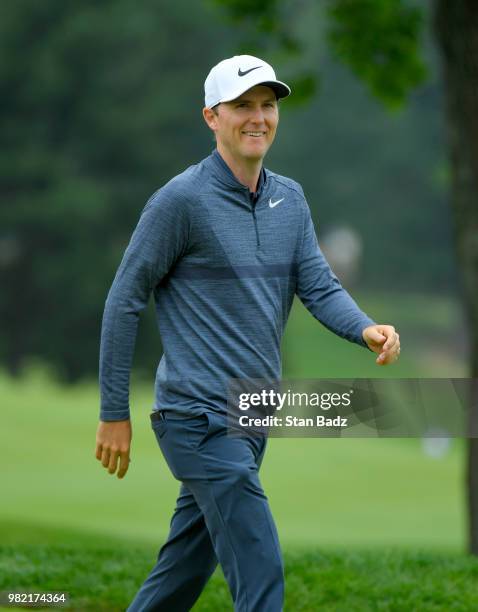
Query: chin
[255, 154]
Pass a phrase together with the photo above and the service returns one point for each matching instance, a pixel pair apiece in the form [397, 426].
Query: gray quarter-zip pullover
[223, 266]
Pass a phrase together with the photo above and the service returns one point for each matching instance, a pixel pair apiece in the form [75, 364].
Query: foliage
[95, 115]
[267, 17]
[100, 106]
[378, 39]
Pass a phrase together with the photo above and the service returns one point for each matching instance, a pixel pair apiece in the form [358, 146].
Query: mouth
[254, 134]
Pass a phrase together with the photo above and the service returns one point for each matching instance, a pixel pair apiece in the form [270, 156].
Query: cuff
[361, 327]
[114, 415]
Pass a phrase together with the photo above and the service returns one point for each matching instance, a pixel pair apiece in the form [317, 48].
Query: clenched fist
[384, 340]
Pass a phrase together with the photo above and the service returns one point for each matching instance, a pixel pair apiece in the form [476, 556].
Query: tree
[99, 107]
[379, 41]
[456, 28]
[95, 115]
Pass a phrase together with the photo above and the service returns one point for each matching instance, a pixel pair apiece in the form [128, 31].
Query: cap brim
[281, 90]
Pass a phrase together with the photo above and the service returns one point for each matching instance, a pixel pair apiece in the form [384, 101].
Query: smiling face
[245, 128]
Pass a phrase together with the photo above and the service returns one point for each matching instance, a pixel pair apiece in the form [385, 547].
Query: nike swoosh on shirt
[272, 204]
[244, 72]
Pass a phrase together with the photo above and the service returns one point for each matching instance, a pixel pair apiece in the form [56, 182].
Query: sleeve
[321, 292]
[158, 241]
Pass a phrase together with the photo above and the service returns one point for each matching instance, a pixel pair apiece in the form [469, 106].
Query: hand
[384, 340]
[113, 440]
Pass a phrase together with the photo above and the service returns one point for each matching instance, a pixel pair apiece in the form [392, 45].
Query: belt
[157, 415]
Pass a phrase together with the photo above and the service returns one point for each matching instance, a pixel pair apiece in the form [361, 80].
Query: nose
[257, 115]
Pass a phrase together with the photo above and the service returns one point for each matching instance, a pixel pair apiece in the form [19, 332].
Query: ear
[210, 117]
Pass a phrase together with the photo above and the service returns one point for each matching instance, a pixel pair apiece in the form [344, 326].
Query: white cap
[232, 77]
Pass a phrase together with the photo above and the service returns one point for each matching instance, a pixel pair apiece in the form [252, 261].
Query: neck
[247, 171]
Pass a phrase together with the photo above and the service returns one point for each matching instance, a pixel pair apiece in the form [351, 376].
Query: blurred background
[101, 105]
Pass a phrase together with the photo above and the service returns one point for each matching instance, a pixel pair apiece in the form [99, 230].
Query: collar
[225, 174]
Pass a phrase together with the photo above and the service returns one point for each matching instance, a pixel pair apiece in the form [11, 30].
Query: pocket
[197, 429]
[159, 427]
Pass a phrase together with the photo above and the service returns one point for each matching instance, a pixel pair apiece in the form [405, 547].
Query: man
[224, 247]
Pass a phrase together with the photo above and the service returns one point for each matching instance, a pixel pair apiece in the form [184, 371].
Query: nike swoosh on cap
[244, 72]
[272, 204]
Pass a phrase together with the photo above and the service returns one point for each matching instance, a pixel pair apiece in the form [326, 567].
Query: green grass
[359, 492]
[106, 578]
[66, 524]
[354, 492]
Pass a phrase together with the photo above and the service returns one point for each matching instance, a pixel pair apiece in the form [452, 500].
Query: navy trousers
[221, 515]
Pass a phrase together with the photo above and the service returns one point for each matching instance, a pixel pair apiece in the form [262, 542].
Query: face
[246, 127]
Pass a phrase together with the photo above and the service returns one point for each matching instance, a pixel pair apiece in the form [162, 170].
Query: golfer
[223, 247]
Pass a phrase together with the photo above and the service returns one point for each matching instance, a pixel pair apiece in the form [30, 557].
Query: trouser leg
[184, 565]
[222, 474]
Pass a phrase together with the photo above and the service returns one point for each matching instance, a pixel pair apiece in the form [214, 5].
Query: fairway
[359, 519]
[367, 492]
[324, 492]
